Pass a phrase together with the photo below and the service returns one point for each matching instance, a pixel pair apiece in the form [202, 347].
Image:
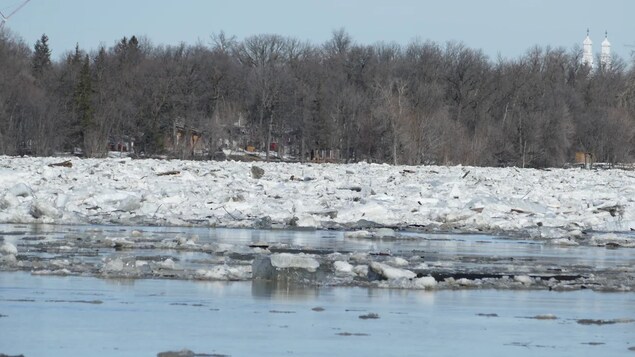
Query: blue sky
[506, 27]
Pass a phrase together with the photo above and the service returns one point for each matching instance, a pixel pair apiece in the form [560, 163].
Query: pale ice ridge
[556, 203]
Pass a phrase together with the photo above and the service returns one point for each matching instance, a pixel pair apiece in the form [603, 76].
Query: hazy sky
[506, 27]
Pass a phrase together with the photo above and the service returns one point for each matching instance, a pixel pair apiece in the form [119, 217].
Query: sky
[499, 27]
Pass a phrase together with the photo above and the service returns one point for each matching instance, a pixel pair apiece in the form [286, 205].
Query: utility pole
[4, 17]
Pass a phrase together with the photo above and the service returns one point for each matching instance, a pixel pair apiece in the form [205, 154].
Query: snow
[556, 203]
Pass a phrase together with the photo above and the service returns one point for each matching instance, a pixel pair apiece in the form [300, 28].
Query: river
[61, 296]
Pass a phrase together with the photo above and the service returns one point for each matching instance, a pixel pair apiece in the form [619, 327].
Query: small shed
[584, 159]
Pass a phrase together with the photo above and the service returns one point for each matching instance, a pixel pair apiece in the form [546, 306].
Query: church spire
[605, 55]
[587, 48]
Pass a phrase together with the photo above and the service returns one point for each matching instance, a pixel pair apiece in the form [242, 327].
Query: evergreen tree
[41, 56]
[100, 64]
[76, 57]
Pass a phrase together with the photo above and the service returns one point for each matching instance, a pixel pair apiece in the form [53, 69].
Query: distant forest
[423, 103]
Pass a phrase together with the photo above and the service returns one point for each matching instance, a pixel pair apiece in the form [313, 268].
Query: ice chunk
[113, 265]
[21, 190]
[167, 264]
[422, 266]
[140, 264]
[385, 233]
[360, 257]
[373, 211]
[358, 234]
[8, 259]
[41, 208]
[224, 272]
[8, 249]
[466, 282]
[287, 260]
[564, 242]
[130, 203]
[398, 261]
[524, 279]
[119, 242]
[307, 222]
[8, 200]
[361, 270]
[425, 282]
[612, 239]
[389, 272]
[343, 267]
[61, 201]
[191, 241]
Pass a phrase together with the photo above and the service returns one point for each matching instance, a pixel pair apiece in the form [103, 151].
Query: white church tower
[587, 50]
[605, 55]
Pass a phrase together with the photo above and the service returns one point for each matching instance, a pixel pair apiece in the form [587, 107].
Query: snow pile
[552, 204]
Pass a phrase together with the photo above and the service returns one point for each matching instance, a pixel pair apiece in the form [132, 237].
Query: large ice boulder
[298, 261]
[287, 268]
[21, 190]
[8, 249]
[41, 208]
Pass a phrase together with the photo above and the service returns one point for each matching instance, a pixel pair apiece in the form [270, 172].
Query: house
[325, 155]
[121, 143]
[584, 159]
[185, 141]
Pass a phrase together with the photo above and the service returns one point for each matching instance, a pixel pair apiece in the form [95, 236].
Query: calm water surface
[433, 246]
[81, 316]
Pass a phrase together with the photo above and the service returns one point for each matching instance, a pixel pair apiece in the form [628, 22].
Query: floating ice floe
[287, 260]
[389, 272]
[224, 272]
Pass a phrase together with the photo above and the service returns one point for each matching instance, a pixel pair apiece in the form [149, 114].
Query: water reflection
[49, 316]
[280, 290]
[442, 245]
[208, 253]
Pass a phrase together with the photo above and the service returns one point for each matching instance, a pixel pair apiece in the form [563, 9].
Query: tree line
[422, 103]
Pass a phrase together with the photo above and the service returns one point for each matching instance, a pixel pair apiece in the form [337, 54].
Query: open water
[89, 316]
